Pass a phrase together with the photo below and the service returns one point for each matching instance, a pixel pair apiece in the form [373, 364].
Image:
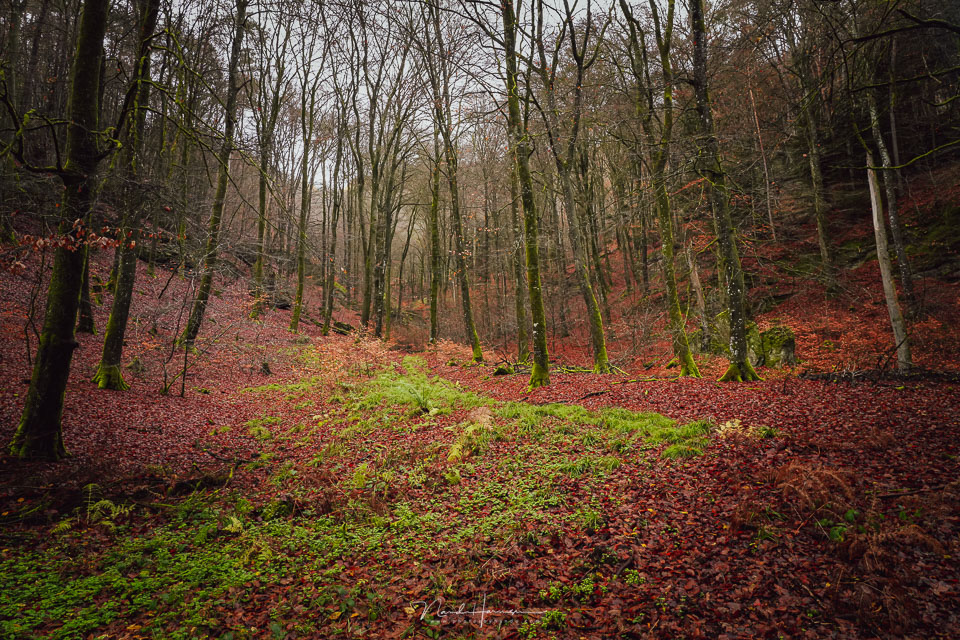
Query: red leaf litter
[843, 524]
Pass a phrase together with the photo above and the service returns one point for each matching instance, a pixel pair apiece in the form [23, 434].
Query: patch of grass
[291, 390]
[589, 465]
[415, 390]
[258, 427]
[535, 415]
[623, 421]
[621, 428]
[681, 450]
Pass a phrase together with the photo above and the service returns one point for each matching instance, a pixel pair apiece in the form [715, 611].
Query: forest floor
[293, 485]
[357, 491]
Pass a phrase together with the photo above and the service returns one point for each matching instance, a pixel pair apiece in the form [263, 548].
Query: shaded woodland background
[588, 180]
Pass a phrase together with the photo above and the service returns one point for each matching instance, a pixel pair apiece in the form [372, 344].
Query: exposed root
[110, 377]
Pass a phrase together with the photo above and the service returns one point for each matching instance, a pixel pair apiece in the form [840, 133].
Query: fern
[63, 526]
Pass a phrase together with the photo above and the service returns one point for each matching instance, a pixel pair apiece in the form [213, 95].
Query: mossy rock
[778, 346]
[503, 370]
[342, 328]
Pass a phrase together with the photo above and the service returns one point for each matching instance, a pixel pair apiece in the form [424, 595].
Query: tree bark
[109, 374]
[520, 141]
[39, 433]
[435, 247]
[658, 164]
[223, 173]
[443, 107]
[711, 168]
[901, 340]
[516, 258]
[890, 189]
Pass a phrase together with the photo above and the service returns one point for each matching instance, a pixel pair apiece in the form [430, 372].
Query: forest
[468, 319]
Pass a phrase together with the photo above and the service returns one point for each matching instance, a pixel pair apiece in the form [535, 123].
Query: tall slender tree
[109, 374]
[223, 174]
[39, 433]
[520, 150]
[711, 168]
[658, 144]
[563, 148]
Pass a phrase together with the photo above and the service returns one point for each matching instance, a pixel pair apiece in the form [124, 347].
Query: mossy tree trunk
[337, 197]
[381, 267]
[564, 160]
[660, 149]
[109, 374]
[516, 258]
[435, 247]
[710, 167]
[307, 108]
[520, 141]
[578, 245]
[39, 433]
[216, 213]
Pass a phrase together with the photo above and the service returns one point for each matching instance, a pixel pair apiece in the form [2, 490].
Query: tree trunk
[85, 315]
[223, 173]
[520, 141]
[577, 243]
[711, 168]
[109, 374]
[819, 203]
[766, 170]
[435, 247]
[523, 340]
[901, 340]
[890, 188]
[306, 196]
[660, 157]
[337, 203]
[39, 433]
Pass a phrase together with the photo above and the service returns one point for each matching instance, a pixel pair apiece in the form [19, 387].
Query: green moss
[258, 427]
[110, 377]
[777, 347]
[416, 390]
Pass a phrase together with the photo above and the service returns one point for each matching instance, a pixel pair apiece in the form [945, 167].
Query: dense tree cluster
[515, 146]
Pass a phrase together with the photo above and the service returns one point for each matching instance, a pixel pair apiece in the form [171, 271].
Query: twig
[908, 492]
[594, 394]
[640, 380]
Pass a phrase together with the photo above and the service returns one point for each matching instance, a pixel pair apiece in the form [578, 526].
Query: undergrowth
[490, 478]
